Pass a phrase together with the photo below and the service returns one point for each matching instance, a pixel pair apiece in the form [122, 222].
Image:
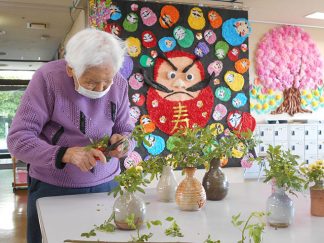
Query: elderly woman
[67, 104]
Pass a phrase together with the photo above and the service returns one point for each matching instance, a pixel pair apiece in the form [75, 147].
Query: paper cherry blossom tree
[288, 60]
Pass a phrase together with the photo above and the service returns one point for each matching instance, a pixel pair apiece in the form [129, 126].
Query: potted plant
[161, 167]
[314, 173]
[128, 202]
[231, 145]
[283, 172]
[186, 147]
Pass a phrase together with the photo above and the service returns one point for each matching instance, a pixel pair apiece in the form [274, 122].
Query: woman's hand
[82, 157]
[122, 149]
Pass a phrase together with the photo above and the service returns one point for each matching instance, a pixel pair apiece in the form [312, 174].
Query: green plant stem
[245, 225]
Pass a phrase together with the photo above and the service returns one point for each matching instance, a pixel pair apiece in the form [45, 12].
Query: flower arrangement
[314, 173]
[196, 147]
[131, 180]
[188, 145]
[283, 169]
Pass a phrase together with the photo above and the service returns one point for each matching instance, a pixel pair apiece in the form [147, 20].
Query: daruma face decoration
[215, 68]
[219, 112]
[115, 12]
[182, 98]
[134, 113]
[138, 99]
[169, 16]
[184, 36]
[241, 121]
[131, 22]
[210, 36]
[148, 16]
[133, 46]
[234, 80]
[196, 19]
[148, 39]
[215, 19]
[148, 125]
[113, 29]
[136, 81]
[242, 65]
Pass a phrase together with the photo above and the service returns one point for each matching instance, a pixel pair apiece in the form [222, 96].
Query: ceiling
[22, 45]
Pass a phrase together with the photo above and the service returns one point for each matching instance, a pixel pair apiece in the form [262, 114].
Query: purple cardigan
[52, 116]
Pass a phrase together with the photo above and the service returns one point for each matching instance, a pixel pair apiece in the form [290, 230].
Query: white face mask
[92, 94]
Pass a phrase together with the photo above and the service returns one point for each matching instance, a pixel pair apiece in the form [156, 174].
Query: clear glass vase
[281, 208]
[190, 194]
[125, 205]
[167, 185]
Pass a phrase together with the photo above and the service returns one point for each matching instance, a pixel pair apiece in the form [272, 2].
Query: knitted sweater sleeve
[34, 112]
[123, 124]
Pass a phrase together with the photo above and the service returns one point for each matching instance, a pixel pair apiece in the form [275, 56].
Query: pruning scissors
[111, 147]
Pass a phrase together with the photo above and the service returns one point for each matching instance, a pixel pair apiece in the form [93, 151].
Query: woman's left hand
[122, 149]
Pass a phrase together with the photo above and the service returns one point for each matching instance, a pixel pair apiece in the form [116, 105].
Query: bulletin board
[187, 65]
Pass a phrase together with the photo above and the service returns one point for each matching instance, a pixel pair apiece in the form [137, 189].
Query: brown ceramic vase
[190, 194]
[215, 182]
[317, 199]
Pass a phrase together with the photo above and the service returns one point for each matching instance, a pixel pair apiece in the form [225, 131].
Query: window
[11, 91]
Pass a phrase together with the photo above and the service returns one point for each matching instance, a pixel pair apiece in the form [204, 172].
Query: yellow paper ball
[258, 106]
[272, 102]
[260, 97]
[303, 102]
[309, 96]
[321, 99]
[265, 106]
[253, 92]
[252, 105]
[316, 93]
[278, 97]
[303, 92]
[270, 91]
[314, 103]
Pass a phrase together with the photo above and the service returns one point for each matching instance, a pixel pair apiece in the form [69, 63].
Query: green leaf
[140, 189]
[156, 222]
[169, 219]
[148, 225]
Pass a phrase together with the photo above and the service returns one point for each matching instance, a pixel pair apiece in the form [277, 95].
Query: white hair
[91, 47]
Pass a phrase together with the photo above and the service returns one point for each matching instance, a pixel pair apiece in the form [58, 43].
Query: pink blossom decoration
[247, 161]
[288, 60]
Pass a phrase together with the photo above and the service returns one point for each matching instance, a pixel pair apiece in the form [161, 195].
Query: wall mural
[187, 66]
[289, 67]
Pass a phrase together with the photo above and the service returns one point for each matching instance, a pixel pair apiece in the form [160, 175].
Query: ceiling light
[36, 26]
[315, 15]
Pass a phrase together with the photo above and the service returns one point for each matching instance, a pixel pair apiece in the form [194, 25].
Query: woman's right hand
[84, 158]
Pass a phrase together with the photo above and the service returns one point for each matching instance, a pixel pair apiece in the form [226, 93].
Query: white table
[66, 217]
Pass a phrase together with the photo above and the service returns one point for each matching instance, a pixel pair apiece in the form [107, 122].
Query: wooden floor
[13, 208]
